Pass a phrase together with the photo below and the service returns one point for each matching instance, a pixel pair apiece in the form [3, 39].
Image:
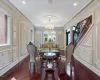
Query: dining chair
[69, 52]
[32, 50]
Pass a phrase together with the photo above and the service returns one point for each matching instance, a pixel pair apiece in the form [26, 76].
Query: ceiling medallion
[49, 20]
[46, 19]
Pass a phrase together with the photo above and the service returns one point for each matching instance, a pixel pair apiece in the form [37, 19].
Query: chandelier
[48, 21]
[49, 27]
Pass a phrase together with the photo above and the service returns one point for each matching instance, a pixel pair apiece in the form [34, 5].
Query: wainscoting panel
[88, 40]
[14, 35]
[15, 54]
[85, 49]
[23, 39]
[86, 54]
[5, 58]
[16, 51]
[97, 52]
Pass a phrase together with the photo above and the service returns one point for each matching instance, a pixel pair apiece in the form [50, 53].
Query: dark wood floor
[22, 72]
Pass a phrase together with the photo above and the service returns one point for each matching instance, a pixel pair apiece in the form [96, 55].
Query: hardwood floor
[22, 72]
[81, 72]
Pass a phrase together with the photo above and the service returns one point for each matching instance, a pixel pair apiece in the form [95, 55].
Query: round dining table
[52, 51]
[49, 62]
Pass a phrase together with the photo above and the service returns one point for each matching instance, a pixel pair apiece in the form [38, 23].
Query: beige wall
[88, 49]
[20, 30]
[39, 36]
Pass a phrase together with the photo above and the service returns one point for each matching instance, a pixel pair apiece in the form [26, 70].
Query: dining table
[52, 51]
[49, 62]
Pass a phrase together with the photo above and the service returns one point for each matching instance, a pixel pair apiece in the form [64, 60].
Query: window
[50, 36]
[4, 31]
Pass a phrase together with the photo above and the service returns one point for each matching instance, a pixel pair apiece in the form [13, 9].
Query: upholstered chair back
[69, 52]
[32, 50]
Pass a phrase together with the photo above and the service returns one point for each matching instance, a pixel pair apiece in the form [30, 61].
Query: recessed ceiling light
[75, 4]
[23, 2]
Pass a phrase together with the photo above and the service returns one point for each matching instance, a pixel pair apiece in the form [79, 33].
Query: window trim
[8, 28]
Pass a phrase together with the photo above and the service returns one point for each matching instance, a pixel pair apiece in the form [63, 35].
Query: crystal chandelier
[49, 21]
[49, 27]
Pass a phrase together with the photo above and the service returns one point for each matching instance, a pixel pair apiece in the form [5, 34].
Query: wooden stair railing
[79, 71]
[84, 29]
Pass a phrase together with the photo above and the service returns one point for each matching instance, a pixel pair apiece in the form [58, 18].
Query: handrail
[84, 29]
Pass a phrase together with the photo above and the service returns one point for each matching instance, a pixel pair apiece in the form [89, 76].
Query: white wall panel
[15, 54]
[85, 48]
[11, 54]
[60, 37]
[86, 54]
[97, 51]
[38, 38]
[88, 49]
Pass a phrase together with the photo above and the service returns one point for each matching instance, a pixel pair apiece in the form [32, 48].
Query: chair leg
[32, 67]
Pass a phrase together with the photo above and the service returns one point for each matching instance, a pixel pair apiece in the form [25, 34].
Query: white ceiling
[37, 11]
